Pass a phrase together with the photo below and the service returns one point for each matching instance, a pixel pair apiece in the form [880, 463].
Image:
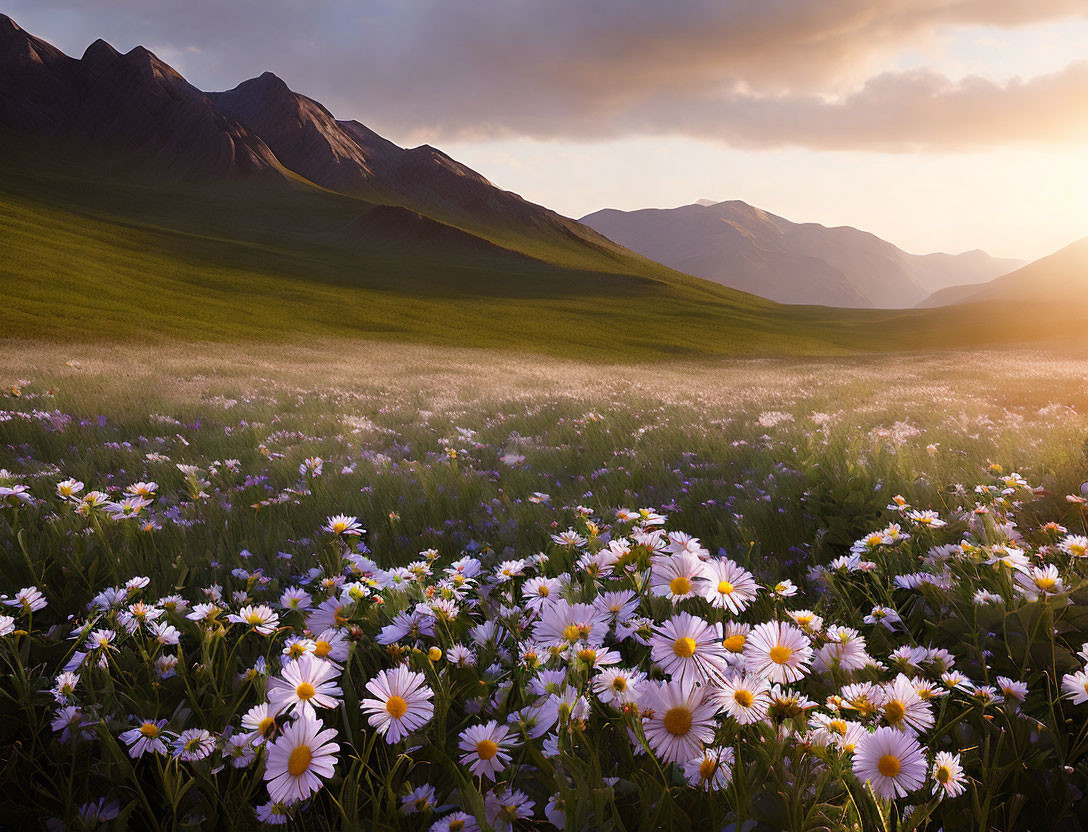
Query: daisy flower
[711, 770]
[688, 648]
[343, 526]
[299, 759]
[194, 744]
[929, 519]
[403, 703]
[728, 586]
[260, 618]
[486, 748]
[456, 822]
[845, 650]
[680, 722]
[1075, 545]
[1012, 689]
[618, 686]
[260, 721]
[891, 761]
[1075, 686]
[948, 777]
[540, 591]
[420, 799]
[505, 808]
[677, 577]
[564, 623]
[745, 697]
[778, 651]
[785, 589]
[307, 683]
[903, 708]
[273, 813]
[147, 738]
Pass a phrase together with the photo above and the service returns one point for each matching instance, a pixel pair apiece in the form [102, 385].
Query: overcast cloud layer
[751, 73]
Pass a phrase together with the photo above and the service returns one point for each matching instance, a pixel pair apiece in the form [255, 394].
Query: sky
[940, 125]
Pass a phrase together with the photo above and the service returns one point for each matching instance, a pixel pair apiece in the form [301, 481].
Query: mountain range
[1054, 279]
[134, 103]
[743, 247]
[135, 206]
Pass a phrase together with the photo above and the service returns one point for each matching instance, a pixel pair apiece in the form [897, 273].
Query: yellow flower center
[734, 644]
[299, 760]
[434, 654]
[305, 691]
[322, 648]
[456, 825]
[678, 721]
[943, 774]
[571, 632]
[894, 712]
[684, 647]
[837, 726]
[680, 585]
[266, 726]
[888, 765]
[486, 749]
[149, 730]
[707, 768]
[744, 698]
[543, 591]
[1044, 583]
[619, 683]
[725, 588]
[780, 654]
[396, 706]
[588, 655]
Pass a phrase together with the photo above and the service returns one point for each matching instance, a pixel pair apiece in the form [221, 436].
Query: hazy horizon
[942, 125]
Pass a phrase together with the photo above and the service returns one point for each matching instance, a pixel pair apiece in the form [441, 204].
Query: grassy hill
[110, 252]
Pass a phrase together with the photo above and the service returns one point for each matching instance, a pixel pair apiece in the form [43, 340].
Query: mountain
[743, 247]
[135, 104]
[136, 207]
[1058, 278]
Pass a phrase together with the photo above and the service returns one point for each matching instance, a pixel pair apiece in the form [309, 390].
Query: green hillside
[108, 252]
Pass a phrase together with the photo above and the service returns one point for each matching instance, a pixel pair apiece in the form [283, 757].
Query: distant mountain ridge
[1061, 277]
[741, 246]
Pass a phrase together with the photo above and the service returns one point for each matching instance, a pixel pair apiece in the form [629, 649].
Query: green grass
[108, 252]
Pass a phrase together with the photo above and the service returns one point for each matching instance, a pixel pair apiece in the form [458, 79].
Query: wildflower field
[405, 588]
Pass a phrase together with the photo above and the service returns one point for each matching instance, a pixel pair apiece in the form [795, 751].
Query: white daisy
[677, 577]
[403, 703]
[728, 586]
[486, 748]
[299, 759]
[745, 697]
[711, 770]
[778, 651]
[307, 683]
[680, 721]
[948, 777]
[892, 761]
[689, 649]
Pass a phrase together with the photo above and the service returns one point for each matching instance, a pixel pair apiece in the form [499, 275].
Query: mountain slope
[136, 105]
[738, 245]
[1061, 277]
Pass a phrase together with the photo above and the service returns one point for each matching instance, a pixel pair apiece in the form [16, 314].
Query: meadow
[378, 586]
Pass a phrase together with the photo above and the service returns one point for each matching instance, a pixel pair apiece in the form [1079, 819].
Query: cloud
[746, 72]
